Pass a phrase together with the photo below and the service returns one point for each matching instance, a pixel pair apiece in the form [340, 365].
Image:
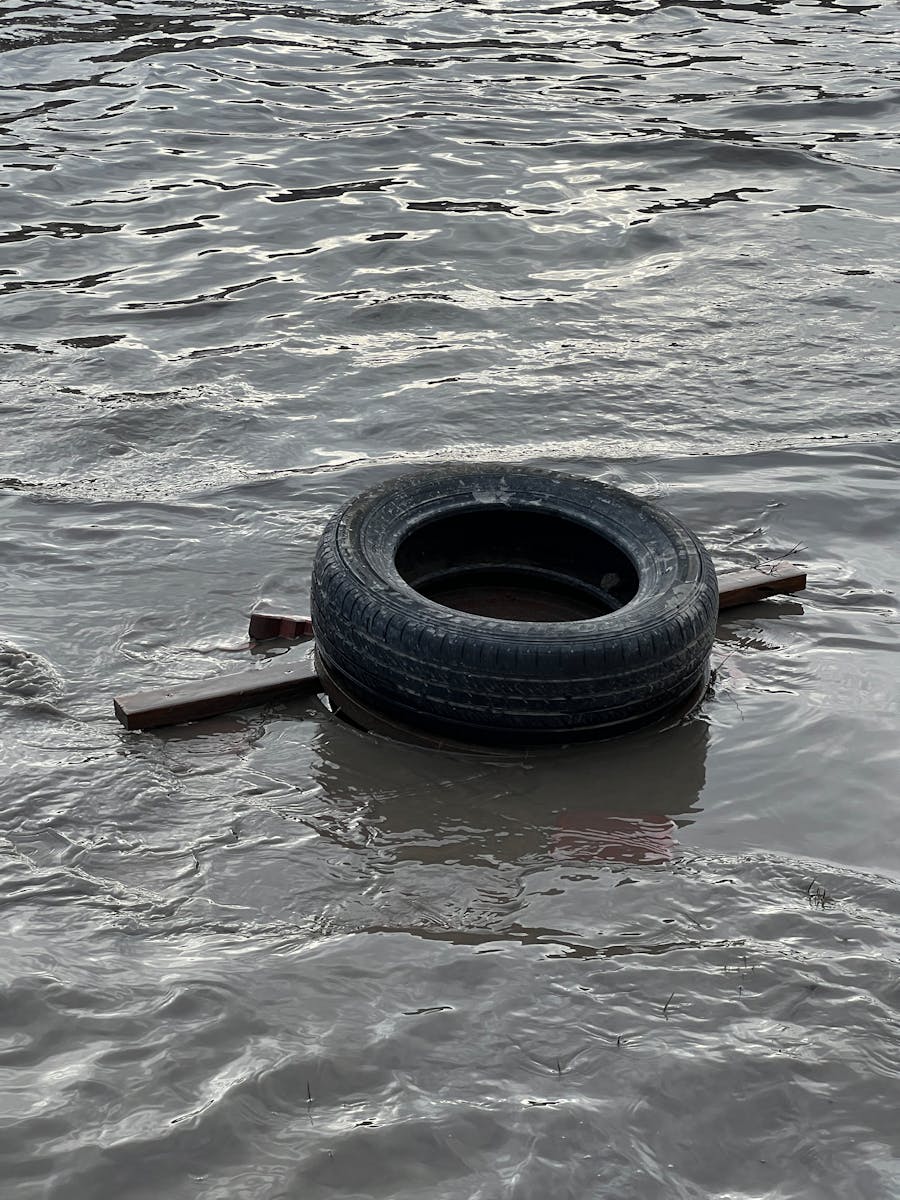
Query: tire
[512, 606]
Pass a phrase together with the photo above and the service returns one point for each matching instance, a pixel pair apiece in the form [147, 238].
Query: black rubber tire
[512, 682]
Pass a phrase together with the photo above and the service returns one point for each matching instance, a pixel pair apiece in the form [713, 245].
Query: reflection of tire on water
[619, 801]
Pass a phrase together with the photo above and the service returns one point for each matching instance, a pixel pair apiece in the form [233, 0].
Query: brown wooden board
[747, 587]
[284, 681]
[265, 624]
[209, 697]
[735, 587]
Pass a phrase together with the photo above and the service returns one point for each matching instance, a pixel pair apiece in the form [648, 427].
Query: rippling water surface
[256, 256]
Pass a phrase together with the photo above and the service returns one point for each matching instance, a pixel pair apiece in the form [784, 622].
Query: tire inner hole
[517, 565]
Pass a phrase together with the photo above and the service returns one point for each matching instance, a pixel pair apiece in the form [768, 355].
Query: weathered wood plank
[284, 681]
[266, 624]
[748, 587]
[735, 587]
[223, 693]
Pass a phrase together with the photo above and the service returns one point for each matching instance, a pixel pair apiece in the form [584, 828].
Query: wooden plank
[224, 693]
[285, 681]
[266, 624]
[735, 587]
[748, 587]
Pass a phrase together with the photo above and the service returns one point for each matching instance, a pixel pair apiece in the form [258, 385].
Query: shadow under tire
[507, 605]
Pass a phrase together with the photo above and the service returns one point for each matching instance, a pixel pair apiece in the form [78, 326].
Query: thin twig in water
[769, 565]
[722, 661]
[666, 1006]
[820, 897]
[743, 537]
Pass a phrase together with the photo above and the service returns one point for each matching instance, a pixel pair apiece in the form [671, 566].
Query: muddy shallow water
[255, 258]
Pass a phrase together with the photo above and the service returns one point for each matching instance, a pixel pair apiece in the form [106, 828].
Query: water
[256, 257]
